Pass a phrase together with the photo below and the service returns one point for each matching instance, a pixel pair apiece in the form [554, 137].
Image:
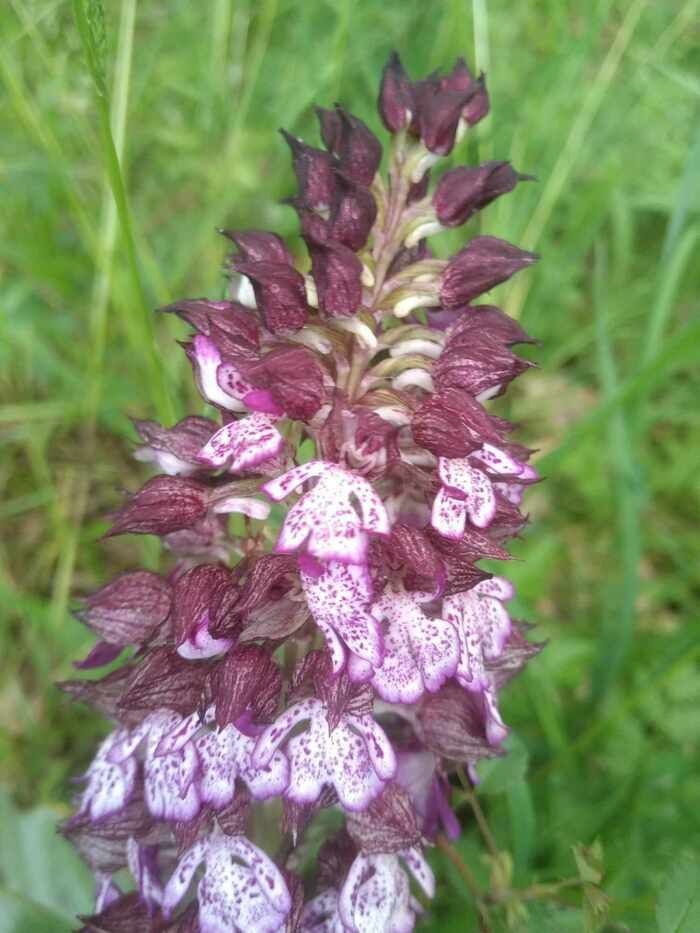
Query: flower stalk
[350, 658]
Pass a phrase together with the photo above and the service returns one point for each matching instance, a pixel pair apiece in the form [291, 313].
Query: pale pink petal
[270, 780]
[178, 735]
[375, 896]
[169, 787]
[270, 740]
[498, 461]
[351, 769]
[308, 762]
[449, 515]
[496, 729]
[454, 473]
[497, 587]
[177, 886]
[218, 771]
[268, 876]
[480, 499]
[244, 505]
[297, 526]
[144, 871]
[420, 870]
[109, 785]
[398, 680]
[207, 360]
[381, 751]
[280, 487]
[373, 511]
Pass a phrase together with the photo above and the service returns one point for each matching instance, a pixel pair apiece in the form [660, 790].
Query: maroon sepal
[353, 214]
[125, 915]
[199, 595]
[280, 293]
[247, 679]
[389, 824]
[165, 504]
[411, 550]
[103, 843]
[357, 149]
[463, 191]
[395, 102]
[453, 424]
[517, 652]
[293, 377]
[184, 440]
[314, 675]
[129, 608]
[233, 819]
[315, 172]
[102, 694]
[228, 316]
[337, 273]
[482, 264]
[164, 680]
[101, 654]
[335, 857]
[452, 723]
[296, 816]
[260, 246]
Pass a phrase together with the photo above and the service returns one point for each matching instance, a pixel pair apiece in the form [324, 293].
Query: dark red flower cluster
[344, 651]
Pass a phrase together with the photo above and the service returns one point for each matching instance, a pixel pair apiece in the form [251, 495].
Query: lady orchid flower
[340, 648]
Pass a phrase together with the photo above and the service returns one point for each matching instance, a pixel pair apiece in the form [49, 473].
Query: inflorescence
[318, 676]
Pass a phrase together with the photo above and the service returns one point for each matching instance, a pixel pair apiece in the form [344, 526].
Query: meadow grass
[116, 168]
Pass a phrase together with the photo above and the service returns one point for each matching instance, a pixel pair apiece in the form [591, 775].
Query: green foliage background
[602, 101]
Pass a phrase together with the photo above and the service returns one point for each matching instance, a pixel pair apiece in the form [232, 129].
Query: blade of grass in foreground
[89, 18]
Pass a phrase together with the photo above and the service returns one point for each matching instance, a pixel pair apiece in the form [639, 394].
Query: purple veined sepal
[468, 491]
[357, 149]
[339, 595]
[355, 757]
[173, 450]
[483, 263]
[420, 653]
[242, 445]
[324, 522]
[241, 889]
[376, 893]
[463, 191]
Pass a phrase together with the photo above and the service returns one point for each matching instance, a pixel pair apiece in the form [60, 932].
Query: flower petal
[449, 515]
[242, 444]
[275, 734]
[280, 487]
[180, 879]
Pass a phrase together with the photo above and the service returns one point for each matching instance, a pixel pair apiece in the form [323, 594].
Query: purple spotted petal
[109, 784]
[464, 481]
[242, 444]
[217, 757]
[483, 624]
[376, 896]
[177, 886]
[325, 519]
[339, 601]
[420, 653]
[449, 515]
[169, 781]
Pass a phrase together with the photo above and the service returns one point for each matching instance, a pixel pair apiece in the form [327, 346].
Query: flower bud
[280, 293]
[357, 149]
[463, 191]
[353, 214]
[294, 380]
[438, 111]
[173, 450]
[126, 610]
[337, 272]
[396, 105]
[315, 171]
[260, 246]
[483, 263]
[229, 317]
[452, 424]
[164, 504]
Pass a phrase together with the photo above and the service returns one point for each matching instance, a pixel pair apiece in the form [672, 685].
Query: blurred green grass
[602, 102]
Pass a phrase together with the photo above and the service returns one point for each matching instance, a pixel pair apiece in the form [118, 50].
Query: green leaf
[502, 773]
[43, 882]
[678, 908]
